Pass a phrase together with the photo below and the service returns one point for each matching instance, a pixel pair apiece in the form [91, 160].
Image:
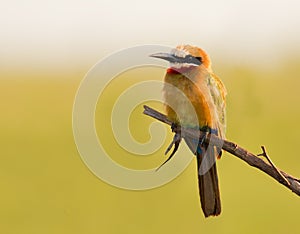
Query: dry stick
[269, 168]
[264, 154]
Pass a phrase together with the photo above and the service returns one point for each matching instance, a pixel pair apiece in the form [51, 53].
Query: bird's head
[184, 57]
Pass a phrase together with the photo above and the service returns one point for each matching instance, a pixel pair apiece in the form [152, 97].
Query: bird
[194, 97]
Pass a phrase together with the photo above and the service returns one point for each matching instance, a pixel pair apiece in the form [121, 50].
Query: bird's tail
[207, 177]
[208, 182]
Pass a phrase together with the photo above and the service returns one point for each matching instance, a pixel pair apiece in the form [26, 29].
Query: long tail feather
[208, 181]
[207, 177]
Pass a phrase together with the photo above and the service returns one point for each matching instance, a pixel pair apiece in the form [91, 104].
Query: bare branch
[269, 168]
[264, 154]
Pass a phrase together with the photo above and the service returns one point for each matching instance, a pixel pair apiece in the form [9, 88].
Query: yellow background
[46, 51]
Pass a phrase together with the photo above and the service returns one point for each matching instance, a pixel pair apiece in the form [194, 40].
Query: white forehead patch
[179, 52]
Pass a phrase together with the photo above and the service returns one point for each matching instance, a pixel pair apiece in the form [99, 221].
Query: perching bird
[195, 97]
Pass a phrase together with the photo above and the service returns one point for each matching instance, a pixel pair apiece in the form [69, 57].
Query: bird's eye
[199, 58]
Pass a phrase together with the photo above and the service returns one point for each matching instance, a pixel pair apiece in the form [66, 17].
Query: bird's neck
[182, 70]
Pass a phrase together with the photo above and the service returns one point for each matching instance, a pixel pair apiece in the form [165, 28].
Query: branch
[253, 160]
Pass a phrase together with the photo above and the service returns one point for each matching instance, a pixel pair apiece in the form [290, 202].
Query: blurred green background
[45, 186]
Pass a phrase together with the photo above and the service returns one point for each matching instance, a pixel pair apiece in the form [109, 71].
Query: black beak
[175, 59]
[169, 57]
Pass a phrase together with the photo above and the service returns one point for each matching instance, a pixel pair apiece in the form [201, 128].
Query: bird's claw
[202, 138]
[205, 132]
[176, 141]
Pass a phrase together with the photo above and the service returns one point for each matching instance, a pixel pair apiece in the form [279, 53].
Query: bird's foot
[176, 141]
[205, 132]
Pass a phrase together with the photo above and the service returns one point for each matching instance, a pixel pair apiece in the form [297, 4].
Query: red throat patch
[172, 70]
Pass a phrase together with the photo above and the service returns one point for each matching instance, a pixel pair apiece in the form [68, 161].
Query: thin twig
[269, 168]
[264, 154]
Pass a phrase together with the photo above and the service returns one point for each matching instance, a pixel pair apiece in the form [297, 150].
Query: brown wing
[218, 93]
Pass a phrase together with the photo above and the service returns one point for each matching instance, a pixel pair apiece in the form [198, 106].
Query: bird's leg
[176, 141]
[204, 131]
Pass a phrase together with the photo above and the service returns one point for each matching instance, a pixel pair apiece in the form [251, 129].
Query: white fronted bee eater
[190, 72]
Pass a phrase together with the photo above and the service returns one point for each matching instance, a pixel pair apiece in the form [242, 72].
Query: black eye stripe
[194, 60]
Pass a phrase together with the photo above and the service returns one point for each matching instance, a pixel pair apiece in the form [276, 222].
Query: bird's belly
[185, 111]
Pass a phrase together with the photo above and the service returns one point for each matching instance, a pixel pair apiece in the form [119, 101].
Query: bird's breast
[187, 100]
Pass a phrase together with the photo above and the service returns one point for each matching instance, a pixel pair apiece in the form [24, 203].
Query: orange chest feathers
[188, 100]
